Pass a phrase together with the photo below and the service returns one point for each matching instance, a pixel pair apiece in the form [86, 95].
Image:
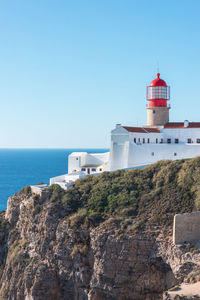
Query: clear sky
[71, 70]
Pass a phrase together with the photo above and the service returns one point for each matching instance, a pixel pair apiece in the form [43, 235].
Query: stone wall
[186, 227]
[157, 116]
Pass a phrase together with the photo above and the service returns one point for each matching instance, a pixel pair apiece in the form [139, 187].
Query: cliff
[107, 237]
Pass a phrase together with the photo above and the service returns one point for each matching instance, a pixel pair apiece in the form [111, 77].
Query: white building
[133, 147]
[81, 164]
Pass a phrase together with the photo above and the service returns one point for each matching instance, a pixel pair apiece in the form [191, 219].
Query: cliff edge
[107, 237]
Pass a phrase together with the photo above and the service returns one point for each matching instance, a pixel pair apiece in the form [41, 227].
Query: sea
[22, 167]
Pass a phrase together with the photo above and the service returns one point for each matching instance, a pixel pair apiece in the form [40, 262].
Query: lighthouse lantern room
[158, 93]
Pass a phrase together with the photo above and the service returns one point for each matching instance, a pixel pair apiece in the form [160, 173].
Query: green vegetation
[175, 288]
[193, 277]
[25, 190]
[149, 196]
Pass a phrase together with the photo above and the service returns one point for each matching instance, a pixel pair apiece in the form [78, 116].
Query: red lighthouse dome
[158, 81]
[158, 92]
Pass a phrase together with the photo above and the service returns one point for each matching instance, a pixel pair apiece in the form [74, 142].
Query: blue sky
[71, 70]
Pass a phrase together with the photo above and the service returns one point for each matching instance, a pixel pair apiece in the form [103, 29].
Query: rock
[48, 259]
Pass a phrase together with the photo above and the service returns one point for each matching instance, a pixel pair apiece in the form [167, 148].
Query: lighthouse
[158, 93]
[136, 147]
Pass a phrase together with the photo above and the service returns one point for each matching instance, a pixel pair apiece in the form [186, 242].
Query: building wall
[66, 178]
[151, 136]
[144, 154]
[186, 227]
[118, 150]
[182, 134]
[74, 162]
[131, 149]
[57, 178]
[157, 116]
[118, 159]
[79, 160]
[150, 153]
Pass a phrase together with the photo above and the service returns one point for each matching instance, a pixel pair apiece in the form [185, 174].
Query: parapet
[186, 227]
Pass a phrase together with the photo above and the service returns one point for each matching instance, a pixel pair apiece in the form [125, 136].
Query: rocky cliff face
[45, 254]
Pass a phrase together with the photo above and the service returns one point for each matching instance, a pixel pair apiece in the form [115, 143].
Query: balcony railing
[168, 105]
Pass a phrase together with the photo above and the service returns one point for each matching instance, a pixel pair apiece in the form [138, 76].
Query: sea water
[22, 167]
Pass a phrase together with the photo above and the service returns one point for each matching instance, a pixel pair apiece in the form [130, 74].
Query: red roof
[181, 125]
[158, 81]
[141, 129]
[153, 130]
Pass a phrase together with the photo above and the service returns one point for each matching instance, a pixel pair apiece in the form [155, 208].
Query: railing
[148, 106]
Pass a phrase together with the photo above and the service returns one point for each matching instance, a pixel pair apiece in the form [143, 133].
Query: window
[83, 169]
[176, 141]
[189, 141]
[175, 153]
[93, 170]
[76, 158]
[198, 141]
[154, 111]
[152, 153]
[168, 141]
[134, 140]
[156, 141]
[100, 169]
[161, 141]
[148, 141]
[143, 141]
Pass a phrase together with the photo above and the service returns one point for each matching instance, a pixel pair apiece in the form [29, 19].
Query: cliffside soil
[107, 237]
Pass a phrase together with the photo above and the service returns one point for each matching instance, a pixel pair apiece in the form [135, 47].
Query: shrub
[25, 190]
[151, 195]
[78, 218]
[55, 193]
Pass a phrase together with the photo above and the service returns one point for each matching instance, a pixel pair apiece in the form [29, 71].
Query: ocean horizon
[20, 167]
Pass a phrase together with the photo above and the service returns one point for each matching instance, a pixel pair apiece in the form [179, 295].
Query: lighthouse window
[198, 141]
[134, 140]
[175, 153]
[152, 153]
[154, 111]
[176, 141]
[76, 158]
[189, 141]
[161, 141]
[83, 169]
[156, 141]
[148, 141]
[168, 141]
[143, 141]
[93, 170]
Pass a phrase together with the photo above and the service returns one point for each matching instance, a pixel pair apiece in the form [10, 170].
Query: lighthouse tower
[158, 93]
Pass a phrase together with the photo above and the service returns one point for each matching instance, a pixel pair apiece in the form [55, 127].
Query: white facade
[66, 180]
[81, 164]
[88, 163]
[131, 149]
